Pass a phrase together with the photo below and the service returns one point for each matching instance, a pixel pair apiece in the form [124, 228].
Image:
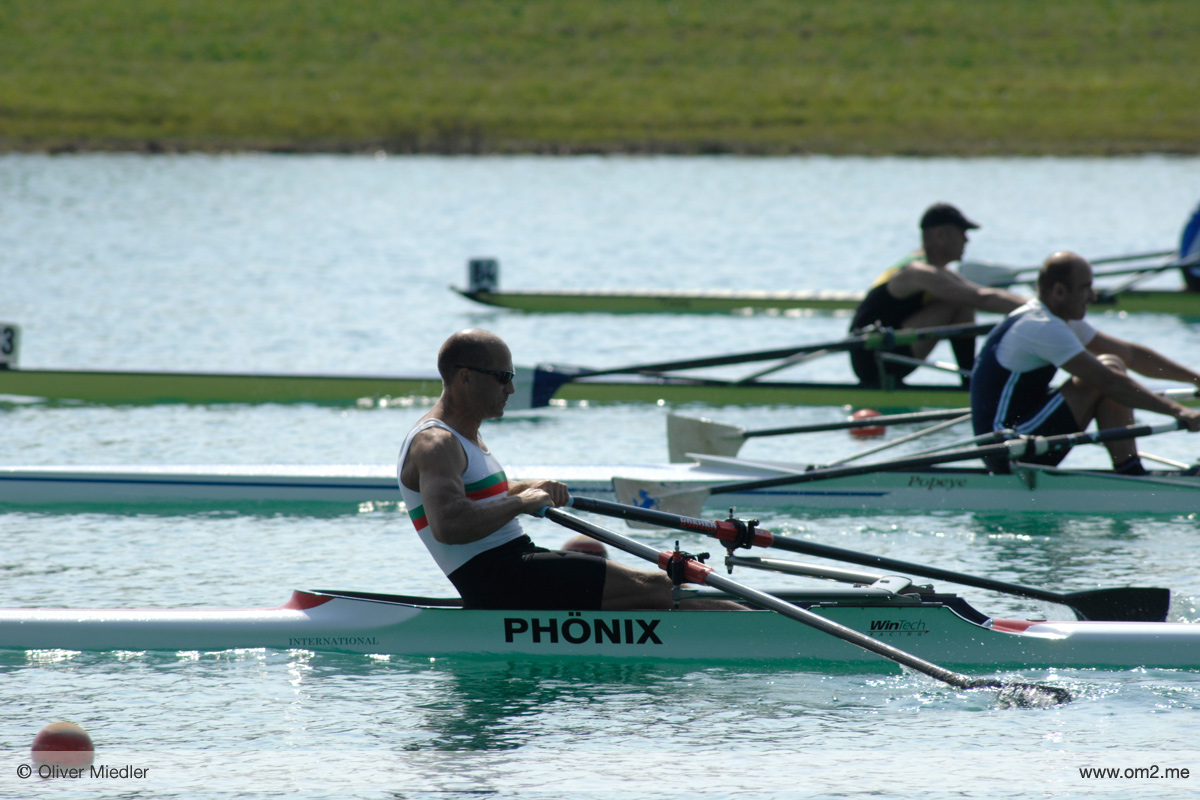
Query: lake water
[341, 264]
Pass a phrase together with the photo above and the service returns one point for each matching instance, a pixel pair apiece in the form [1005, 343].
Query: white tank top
[485, 482]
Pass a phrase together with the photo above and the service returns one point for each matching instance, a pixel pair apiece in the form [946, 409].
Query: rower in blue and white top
[465, 509]
[1010, 385]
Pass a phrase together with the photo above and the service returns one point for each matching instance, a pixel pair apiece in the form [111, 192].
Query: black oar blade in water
[1025, 695]
[1124, 604]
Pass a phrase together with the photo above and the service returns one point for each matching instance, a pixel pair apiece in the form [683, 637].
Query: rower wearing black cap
[920, 292]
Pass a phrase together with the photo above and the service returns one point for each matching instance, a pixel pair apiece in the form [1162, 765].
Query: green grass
[749, 76]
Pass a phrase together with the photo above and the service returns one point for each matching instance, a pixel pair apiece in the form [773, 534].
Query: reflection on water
[487, 706]
[484, 706]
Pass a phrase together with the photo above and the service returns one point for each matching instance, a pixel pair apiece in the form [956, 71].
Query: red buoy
[63, 743]
[869, 432]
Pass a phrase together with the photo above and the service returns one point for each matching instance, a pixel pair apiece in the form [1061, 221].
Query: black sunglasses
[503, 376]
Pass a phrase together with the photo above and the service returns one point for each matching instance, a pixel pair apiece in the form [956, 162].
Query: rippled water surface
[340, 264]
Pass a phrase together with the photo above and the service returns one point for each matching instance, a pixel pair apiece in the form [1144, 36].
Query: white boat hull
[934, 489]
[344, 622]
[124, 486]
[957, 489]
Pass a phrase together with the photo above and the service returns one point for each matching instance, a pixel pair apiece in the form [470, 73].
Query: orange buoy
[868, 432]
[585, 544]
[63, 743]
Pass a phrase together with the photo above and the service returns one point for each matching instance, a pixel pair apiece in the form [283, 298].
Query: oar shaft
[1017, 448]
[1131, 257]
[1003, 276]
[727, 531]
[735, 533]
[1110, 292]
[652, 516]
[873, 339]
[941, 426]
[868, 422]
[705, 575]
[924, 571]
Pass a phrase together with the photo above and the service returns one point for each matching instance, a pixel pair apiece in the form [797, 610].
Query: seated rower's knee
[627, 588]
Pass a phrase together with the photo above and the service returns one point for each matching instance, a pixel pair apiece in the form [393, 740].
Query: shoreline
[567, 150]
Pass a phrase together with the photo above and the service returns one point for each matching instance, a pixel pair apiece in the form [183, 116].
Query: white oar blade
[688, 435]
[986, 274]
[673, 498]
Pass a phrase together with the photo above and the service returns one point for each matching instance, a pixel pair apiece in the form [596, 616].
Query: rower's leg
[937, 314]
[626, 588]
[1086, 403]
[1111, 414]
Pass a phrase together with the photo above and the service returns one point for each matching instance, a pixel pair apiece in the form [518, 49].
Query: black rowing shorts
[1060, 421]
[521, 575]
[862, 361]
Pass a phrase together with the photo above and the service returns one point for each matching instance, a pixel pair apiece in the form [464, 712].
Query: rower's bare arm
[953, 288]
[1125, 390]
[1143, 360]
[438, 461]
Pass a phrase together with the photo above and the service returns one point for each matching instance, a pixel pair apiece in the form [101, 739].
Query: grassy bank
[752, 76]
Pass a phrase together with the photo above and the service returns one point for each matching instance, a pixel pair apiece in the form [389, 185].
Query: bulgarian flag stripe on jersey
[419, 520]
[491, 486]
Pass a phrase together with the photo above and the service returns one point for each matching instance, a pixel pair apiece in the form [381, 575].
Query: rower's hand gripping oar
[1125, 603]
[643, 493]
[685, 568]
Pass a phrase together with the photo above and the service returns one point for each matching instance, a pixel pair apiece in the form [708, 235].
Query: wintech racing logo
[894, 628]
[576, 630]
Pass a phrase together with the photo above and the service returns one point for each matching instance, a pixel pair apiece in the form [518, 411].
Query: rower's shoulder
[430, 435]
[897, 270]
[919, 275]
[915, 258]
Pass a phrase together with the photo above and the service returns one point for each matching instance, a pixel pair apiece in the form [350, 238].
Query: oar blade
[690, 435]
[1025, 695]
[1123, 604]
[547, 379]
[986, 274]
[673, 498]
